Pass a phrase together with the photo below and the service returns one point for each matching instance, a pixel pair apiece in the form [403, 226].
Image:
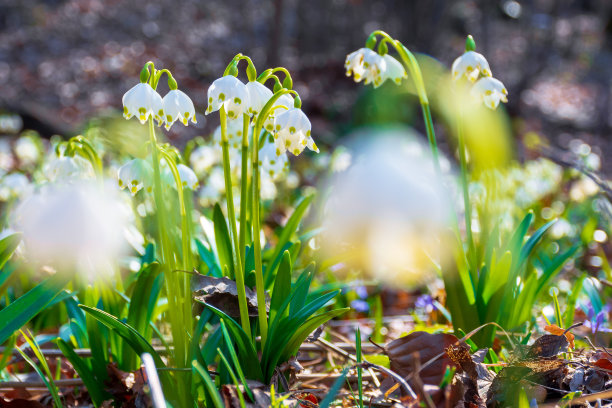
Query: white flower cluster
[137, 174]
[143, 102]
[289, 125]
[371, 67]
[472, 66]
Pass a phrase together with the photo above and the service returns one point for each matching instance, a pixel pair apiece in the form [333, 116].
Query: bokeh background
[63, 62]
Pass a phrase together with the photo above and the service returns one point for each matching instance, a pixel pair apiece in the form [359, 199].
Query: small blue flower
[360, 306]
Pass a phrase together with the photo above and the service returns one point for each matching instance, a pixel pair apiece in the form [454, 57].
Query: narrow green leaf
[292, 225]
[333, 391]
[29, 305]
[95, 388]
[8, 245]
[282, 286]
[234, 357]
[223, 242]
[209, 384]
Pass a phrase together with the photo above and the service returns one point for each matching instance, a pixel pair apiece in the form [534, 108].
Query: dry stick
[346, 355]
[416, 367]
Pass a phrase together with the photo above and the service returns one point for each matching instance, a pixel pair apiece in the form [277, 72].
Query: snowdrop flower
[68, 169]
[229, 92]
[27, 150]
[188, 177]
[373, 67]
[75, 227]
[470, 65]
[213, 188]
[491, 91]
[270, 162]
[203, 158]
[234, 133]
[282, 104]
[354, 63]
[14, 185]
[143, 102]
[394, 70]
[292, 132]
[135, 175]
[178, 106]
[259, 95]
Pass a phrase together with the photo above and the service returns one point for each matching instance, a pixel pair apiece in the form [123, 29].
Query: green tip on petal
[470, 44]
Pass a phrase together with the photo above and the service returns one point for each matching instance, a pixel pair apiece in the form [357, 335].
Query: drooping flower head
[292, 132]
[393, 70]
[188, 177]
[470, 65]
[178, 106]
[68, 169]
[229, 92]
[135, 175]
[270, 162]
[259, 95]
[490, 91]
[143, 102]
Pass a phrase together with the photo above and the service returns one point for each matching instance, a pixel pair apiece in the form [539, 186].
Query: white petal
[470, 65]
[178, 106]
[135, 175]
[188, 177]
[259, 95]
[394, 70]
[230, 92]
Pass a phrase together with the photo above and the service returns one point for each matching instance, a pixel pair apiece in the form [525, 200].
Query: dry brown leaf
[558, 331]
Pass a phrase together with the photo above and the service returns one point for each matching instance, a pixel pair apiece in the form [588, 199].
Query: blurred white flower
[188, 178]
[234, 133]
[68, 169]
[74, 227]
[292, 132]
[393, 70]
[270, 162]
[470, 65]
[490, 91]
[267, 189]
[213, 187]
[389, 213]
[178, 106]
[373, 67]
[203, 158]
[7, 161]
[229, 92]
[27, 150]
[135, 175]
[13, 186]
[143, 102]
[259, 95]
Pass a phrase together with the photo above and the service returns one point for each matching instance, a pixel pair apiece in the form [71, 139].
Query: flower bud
[297, 102]
[144, 74]
[288, 82]
[277, 87]
[172, 83]
[382, 48]
[470, 44]
[233, 70]
[251, 72]
[371, 42]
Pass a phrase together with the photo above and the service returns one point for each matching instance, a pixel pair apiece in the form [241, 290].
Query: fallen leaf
[558, 331]
[222, 293]
[548, 345]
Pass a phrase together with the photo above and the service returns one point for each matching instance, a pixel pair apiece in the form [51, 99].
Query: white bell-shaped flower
[67, 169]
[259, 95]
[178, 106]
[234, 133]
[203, 158]
[282, 104]
[229, 92]
[143, 102]
[188, 177]
[136, 175]
[490, 91]
[292, 132]
[271, 163]
[354, 64]
[14, 185]
[373, 67]
[393, 70]
[470, 65]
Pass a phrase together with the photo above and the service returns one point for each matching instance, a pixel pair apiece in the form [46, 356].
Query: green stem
[466, 196]
[229, 196]
[244, 176]
[259, 282]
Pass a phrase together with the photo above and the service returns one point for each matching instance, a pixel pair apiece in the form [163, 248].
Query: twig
[416, 367]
